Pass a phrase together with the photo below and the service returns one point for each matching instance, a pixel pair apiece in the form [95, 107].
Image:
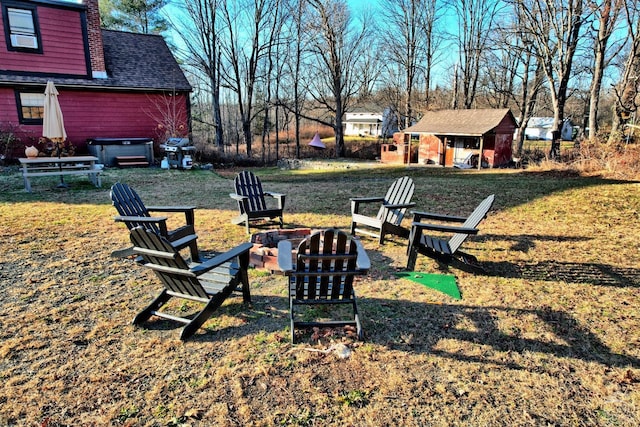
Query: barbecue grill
[178, 152]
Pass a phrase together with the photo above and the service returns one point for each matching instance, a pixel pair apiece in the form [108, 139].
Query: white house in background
[541, 127]
[376, 122]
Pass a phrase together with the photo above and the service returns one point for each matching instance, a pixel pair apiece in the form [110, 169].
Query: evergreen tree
[138, 16]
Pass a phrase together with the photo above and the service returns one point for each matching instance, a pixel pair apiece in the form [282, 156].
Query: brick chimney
[96, 50]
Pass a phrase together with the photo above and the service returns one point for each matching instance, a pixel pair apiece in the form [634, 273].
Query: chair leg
[202, 317]
[357, 319]
[243, 261]
[145, 314]
[413, 255]
[353, 228]
[246, 224]
[195, 254]
[293, 330]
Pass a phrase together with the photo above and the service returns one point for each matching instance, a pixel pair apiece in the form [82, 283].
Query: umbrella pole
[62, 183]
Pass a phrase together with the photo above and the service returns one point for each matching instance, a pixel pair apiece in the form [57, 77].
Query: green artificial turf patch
[445, 283]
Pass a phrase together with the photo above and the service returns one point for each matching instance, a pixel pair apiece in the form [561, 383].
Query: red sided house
[455, 138]
[111, 84]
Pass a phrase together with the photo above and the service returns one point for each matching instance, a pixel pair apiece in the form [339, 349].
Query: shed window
[22, 31]
[470, 143]
[30, 107]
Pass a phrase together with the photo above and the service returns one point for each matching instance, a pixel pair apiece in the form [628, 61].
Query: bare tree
[247, 41]
[405, 46]
[297, 48]
[607, 13]
[628, 88]
[554, 28]
[432, 16]
[475, 20]
[530, 86]
[337, 47]
[271, 77]
[201, 36]
[516, 76]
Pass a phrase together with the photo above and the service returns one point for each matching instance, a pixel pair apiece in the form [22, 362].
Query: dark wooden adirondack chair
[393, 207]
[252, 202]
[440, 248]
[325, 266]
[209, 282]
[134, 213]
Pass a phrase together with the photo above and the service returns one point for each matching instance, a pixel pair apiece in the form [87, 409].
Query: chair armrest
[146, 219]
[418, 215]
[237, 197]
[221, 259]
[363, 262]
[280, 197]
[443, 228]
[367, 199]
[356, 201]
[402, 206]
[274, 195]
[171, 208]
[285, 260]
[187, 210]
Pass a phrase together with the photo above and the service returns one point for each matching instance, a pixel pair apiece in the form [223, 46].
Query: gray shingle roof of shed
[459, 122]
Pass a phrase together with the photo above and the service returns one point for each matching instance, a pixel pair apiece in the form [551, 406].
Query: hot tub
[107, 149]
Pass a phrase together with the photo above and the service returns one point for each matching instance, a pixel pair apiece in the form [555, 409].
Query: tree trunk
[629, 86]
[607, 21]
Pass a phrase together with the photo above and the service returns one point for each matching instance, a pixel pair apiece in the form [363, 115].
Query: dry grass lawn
[549, 335]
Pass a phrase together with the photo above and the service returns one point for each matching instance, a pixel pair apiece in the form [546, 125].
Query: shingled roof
[141, 61]
[460, 122]
[133, 61]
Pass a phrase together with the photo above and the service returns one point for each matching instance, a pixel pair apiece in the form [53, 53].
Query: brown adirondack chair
[393, 207]
[439, 248]
[252, 201]
[325, 266]
[209, 282]
[134, 213]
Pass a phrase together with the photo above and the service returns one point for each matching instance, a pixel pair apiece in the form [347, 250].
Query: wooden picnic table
[60, 166]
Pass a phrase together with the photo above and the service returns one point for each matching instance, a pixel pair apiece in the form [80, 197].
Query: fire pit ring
[264, 254]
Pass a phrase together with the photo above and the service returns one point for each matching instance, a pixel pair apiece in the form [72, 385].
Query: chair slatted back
[249, 185]
[128, 203]
[472, 221]
[325, 267]
[399, 193]
[166, 262]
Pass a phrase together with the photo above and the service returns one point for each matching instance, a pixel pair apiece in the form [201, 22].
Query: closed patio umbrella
[52, 121]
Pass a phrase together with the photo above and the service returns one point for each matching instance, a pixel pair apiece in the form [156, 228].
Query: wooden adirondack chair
[325, 267]
[134, 213]
[209, 282]
[393, 207]
[442, 249]
[252, 202]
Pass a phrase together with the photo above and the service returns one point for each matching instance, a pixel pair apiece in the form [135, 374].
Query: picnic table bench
[59, 166]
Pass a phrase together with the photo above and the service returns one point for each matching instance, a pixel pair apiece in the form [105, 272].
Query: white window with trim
[31, 107]
[22, 28]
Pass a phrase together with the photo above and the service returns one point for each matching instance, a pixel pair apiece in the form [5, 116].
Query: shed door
[449, 153]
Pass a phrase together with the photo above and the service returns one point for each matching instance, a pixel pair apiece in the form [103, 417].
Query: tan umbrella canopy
[52, 121]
